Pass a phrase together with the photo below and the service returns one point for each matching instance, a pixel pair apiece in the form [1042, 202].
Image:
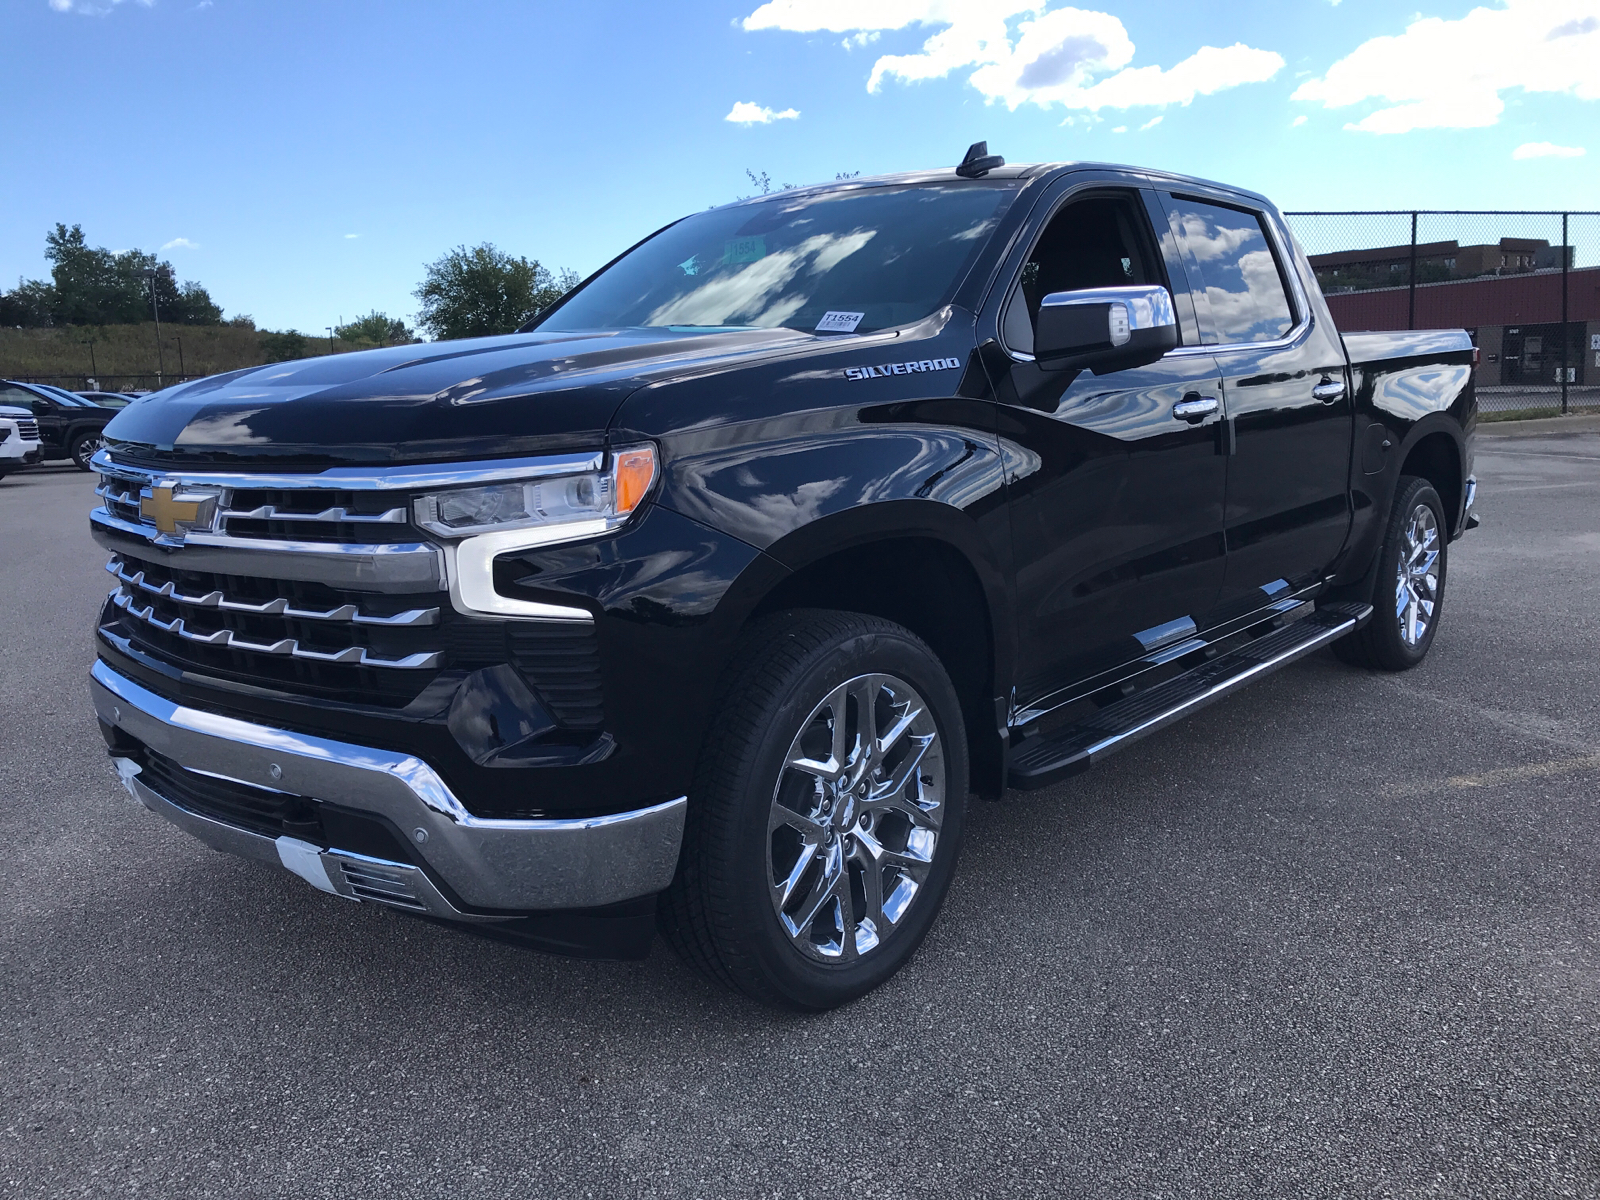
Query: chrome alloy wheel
[1416, 592]
[86, 449]
[855, 818]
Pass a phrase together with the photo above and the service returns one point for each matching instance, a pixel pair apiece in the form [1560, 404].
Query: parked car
[69, 425]
[107, 399]
[706, 599]
[19, 439]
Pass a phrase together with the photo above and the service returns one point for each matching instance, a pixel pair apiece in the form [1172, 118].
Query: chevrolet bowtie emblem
[170, 514]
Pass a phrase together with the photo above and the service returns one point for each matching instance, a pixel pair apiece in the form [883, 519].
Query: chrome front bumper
[509, 867]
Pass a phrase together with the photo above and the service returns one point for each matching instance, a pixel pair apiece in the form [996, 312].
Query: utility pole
[92, 365]
[161, 361]
[1566, 256]
[329, 328]
[182, 370]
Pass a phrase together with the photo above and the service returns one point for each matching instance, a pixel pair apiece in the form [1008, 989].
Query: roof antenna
[979, 162]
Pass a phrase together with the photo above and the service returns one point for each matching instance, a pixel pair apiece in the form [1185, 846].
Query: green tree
[92, 286]
[280, 347]
[30, 306]
[482, 291]
[376, 329]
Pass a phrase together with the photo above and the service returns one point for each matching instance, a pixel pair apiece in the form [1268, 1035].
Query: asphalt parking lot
[1336, 936]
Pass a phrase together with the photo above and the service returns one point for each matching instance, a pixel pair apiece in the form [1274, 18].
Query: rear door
[1289, 408]
[1116, 502]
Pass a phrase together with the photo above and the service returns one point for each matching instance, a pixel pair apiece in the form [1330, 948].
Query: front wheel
[826, 815]
[84, 447]
[1408, 597]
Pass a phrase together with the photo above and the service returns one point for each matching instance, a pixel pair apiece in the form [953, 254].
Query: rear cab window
[1238, 283]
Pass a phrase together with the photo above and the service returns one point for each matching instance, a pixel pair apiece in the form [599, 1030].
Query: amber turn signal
[634, 471]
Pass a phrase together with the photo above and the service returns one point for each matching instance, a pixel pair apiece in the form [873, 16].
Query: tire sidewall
[1413, 493]
[802, 981]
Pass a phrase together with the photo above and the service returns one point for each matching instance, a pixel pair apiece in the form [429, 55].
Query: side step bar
[1076, 748]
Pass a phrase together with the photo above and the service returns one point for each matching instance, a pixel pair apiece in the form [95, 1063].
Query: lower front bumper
[486, 869]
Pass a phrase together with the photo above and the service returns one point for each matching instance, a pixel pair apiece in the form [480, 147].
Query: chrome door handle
[1329, 390]
[1194, 409]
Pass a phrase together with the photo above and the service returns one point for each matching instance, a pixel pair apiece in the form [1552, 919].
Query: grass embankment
[131, 349]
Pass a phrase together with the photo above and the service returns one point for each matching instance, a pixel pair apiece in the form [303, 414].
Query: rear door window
[1238, 282]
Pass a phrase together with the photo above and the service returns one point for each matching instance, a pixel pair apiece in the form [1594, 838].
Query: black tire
[84, 447]
[720, 914]
[1382, 644]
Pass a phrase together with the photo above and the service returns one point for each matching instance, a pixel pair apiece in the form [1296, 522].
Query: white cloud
[1442, 74]
[1299, 121]
[1547, 150]
[746, 113]
[88, 8]
[1073, 57]
[1151, 123]
[865, 38]
[181, 244]
[350, 236]
[1119, 129]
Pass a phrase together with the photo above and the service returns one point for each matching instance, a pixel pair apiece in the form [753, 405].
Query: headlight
[568, 506]
[482, 522]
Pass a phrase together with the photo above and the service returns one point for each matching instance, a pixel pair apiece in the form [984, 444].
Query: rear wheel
[84, 447]
[1408, 597]
[826, 815]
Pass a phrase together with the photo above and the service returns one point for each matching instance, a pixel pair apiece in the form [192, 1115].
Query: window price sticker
[839, 322]
[745, 250]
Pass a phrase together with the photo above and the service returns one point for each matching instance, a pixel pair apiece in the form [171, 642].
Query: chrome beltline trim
[376, 479]
[491, 863]
[280, 607]
[285, 647]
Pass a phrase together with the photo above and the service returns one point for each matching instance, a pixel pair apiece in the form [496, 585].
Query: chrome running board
[1042, 761]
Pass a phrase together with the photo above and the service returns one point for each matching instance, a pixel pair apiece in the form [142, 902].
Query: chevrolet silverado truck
[703, 602]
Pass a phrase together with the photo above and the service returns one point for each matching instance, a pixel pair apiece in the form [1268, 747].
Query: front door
[1116, 502]
[1287, 396]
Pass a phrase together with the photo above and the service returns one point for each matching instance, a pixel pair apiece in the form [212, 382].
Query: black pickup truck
[704, 601]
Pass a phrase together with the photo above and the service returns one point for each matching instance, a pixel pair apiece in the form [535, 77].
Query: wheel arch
[918, 574]
[1435, 452]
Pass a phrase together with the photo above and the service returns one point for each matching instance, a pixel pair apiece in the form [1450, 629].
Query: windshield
[65, 397]
[839, 262]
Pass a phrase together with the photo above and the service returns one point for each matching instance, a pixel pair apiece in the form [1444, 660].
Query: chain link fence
[1524, 285]
[149, 381]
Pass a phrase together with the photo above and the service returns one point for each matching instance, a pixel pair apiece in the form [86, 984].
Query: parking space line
[1498, 777]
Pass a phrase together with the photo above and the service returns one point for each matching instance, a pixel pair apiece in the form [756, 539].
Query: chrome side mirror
[1105, 329]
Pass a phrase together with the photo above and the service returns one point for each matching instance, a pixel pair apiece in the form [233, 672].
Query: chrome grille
[27, 428]
[278, 606]
[311, 514]
[138, 597]
[323, 590]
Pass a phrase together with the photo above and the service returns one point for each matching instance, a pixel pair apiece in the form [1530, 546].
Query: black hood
[520, 394]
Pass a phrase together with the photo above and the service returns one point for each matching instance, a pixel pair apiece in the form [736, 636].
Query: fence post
[1566, 334]
[1411, 290]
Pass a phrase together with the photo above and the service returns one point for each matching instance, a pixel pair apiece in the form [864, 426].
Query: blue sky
[305, 160]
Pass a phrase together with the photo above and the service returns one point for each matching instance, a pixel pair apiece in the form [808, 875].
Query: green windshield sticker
[745, 250]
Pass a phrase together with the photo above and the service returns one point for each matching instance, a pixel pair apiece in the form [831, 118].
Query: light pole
[182, 370]
[161, 361]
[329, 328]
